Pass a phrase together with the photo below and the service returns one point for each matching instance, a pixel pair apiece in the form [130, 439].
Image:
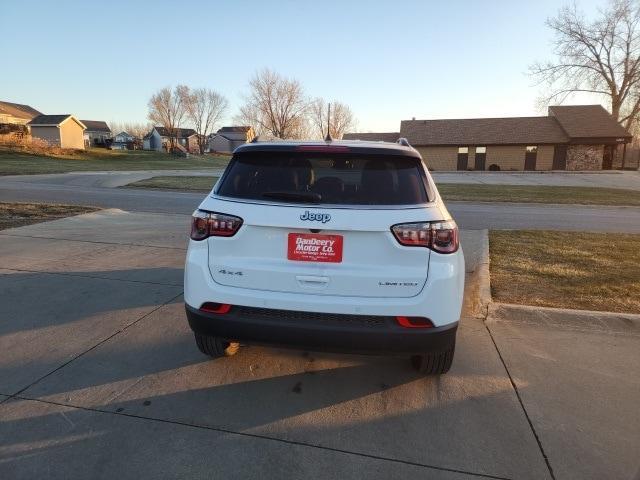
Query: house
[14, 117]
[159, 139]
[65, 131]
[577, 137]
[227, 139]
[123, 137]
[123, 141]
[97, 134]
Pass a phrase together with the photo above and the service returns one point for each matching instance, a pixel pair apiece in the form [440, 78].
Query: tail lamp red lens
[441, 237]
[219, 308]
[209, 224]
[414, 322]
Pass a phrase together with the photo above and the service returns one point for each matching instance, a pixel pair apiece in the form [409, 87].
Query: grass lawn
[587, 271]
[191, 183]
[97, 159]
[538, 194]
[21, 214]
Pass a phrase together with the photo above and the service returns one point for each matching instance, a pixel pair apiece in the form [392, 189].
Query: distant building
[373, 137]
[227, 139]
[97, 134]
[14, 117]
[577, 137]
[65, 131]
[123, 141]
[158, 139]
[123, 137]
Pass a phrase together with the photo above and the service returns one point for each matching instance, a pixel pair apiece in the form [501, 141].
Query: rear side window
[342, 179]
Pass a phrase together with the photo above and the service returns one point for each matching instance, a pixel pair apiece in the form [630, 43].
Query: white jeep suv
[338, 246]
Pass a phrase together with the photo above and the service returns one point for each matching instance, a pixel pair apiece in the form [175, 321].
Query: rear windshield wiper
[307, 197]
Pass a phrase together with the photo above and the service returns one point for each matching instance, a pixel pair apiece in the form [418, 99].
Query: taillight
[441, 237]
[414, 322]
[219, 308]
[208, 224]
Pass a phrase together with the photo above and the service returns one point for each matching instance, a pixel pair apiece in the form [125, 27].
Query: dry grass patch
[21, 214]
[187, 183]
[587, 271]
[538, 194]
[17, 162]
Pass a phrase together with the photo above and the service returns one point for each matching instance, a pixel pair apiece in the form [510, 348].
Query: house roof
[96, 125]
[483, 131]
[373, 137]
[235, 129]
[18, 110]
[180, 132]
[587, 121]
[49, 119]
[564, 124]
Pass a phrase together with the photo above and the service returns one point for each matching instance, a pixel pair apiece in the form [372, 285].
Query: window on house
[481, 149]
[532, 149]
[463, 150]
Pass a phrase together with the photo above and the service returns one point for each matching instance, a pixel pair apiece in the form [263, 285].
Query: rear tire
[216, 347]
[437, 363]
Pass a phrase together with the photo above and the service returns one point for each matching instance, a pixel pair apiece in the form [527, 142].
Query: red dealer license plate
[310, 247]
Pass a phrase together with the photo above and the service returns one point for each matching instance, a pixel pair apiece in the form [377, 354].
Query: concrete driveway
[100, 378]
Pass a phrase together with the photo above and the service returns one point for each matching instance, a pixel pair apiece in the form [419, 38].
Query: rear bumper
[324, 332]
[440, 299]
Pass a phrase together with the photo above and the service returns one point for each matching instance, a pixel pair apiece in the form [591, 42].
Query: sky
[388, 60]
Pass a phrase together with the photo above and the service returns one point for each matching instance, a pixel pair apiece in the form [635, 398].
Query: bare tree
[167, 109]
[275, 105]
[342, 118]
[600, 56]
[204, 109]
[137, 129]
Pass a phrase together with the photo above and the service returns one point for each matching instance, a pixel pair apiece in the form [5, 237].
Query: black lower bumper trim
[313, 331]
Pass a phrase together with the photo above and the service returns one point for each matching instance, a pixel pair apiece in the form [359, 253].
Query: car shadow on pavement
[35, 300]
[376, 407]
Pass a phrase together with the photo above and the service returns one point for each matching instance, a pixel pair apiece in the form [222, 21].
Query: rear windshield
[325, 178]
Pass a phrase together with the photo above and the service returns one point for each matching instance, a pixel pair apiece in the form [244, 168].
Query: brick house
[579, 137]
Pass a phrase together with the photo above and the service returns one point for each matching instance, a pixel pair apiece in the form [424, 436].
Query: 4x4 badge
[315, 217]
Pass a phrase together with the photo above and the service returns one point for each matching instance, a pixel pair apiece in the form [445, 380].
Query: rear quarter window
[344, 179]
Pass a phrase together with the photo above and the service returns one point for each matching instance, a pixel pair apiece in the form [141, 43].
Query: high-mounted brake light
[323, 148]
[209, 224]
[441, 237]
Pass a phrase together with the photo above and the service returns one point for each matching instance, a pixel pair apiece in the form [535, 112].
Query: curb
[627, 324]
[593, 320]
[478, 282]
[632, 317]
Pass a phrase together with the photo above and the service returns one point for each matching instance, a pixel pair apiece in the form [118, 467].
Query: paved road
[100, 378]
[627, 180]
[73, 189]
